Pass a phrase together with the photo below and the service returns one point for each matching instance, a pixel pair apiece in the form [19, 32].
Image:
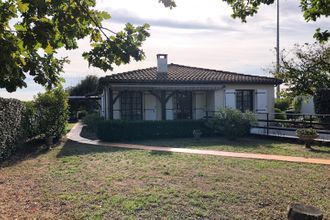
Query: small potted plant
[307, 135]
[197, 134]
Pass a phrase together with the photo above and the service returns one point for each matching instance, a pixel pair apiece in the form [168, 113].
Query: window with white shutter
[262, 101]
[230, 98]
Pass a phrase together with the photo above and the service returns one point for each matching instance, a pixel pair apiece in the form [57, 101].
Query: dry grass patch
[95, 182]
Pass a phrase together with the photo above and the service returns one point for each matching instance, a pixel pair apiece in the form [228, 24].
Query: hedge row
[19, 122]
[134, 130]
[11, 121]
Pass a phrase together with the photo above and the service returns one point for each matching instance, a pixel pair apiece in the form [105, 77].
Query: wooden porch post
[163, 104]
[163, 99]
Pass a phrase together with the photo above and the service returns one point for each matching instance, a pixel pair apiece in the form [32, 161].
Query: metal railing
[288, 121]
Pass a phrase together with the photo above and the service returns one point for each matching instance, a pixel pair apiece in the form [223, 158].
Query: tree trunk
[304, 212]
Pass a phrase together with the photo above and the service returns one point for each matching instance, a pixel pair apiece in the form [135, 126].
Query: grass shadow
[248, 142]
[160, 153]
[30, 150]
[319, 151]
[72, 148]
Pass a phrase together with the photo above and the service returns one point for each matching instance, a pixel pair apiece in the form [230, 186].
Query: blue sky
[197, 33]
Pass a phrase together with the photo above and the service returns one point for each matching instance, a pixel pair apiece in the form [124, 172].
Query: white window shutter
[149, 107]
[230, 98]
[262, 101]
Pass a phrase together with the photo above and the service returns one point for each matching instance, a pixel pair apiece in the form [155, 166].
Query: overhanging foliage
[31, 33]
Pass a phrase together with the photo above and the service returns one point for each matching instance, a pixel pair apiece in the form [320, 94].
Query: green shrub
[52, 109]
[296, 104]
[232, 123]
[279, 114]
[133, 130]
[92, 120]
[282, 103]
[11, 117]
[30, 121]
[306, 131]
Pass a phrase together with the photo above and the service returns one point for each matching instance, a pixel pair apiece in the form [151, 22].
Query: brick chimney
[162, 63]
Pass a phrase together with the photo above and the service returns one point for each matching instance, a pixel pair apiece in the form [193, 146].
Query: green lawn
[251, 145]
[77, 181]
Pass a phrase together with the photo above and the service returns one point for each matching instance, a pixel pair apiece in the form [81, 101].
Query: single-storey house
[172, 91]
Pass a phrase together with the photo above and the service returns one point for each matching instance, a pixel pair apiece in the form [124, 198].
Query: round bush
[232, 123]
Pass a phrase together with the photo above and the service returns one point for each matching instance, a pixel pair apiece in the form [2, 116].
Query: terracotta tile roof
[186, 75]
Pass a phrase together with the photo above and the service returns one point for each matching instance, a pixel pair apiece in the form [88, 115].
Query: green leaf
[19, 27]
[22, 7]
[20, 45]
[105, 15]
[49, 49]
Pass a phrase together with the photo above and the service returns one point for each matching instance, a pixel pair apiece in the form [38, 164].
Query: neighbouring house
[172, 91]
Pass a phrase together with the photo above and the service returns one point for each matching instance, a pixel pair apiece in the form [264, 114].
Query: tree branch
[94, 21]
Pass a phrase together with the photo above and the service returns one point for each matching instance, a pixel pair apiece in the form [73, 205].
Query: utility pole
[278, 44]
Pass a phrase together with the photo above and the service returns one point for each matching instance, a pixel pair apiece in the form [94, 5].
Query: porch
[184, 101]
[159, 103]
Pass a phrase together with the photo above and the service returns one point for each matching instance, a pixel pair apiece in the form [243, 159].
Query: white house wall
[116, 106]
[150, 107]
[158, 110]
[210, 101]
[199, 105]
[169, 108]
[255, 87]
[307, 105]
[106, 102]
[102, 106]
[218, 99]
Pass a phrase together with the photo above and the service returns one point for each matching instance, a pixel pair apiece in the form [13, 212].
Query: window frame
[244, 102]
[131, 105]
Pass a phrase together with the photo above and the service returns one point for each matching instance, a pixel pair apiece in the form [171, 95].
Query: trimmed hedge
[20, 122]
[92, 120]
[136, 130]
[11, 126]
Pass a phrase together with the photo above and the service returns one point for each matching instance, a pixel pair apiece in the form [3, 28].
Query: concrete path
[74, 135]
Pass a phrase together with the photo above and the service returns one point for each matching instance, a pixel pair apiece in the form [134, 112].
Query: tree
[89, 85]
[86, 86]
[312, 10]
[32, 31]
[307, 70]
[53, 112]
